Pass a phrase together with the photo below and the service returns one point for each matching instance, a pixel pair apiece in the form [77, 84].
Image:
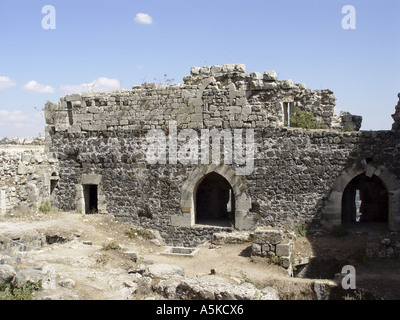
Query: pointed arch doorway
[240, 200]
[214, 201]
[365, 199]
[332, 211]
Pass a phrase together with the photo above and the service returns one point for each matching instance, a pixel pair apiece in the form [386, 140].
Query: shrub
[133, 233]
[25, 292]
[111, 246]
[45, 207]
[304, 119]
[301, 230]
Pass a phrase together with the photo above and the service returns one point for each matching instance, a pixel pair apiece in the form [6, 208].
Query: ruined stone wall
[294, 173]
[298, 175]
[25, 173]
[211, 97]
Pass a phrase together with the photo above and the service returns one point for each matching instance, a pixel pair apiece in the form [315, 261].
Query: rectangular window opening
[69, 111]
[288, 110]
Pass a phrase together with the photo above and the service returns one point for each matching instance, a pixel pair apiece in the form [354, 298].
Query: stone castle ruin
[97, 147]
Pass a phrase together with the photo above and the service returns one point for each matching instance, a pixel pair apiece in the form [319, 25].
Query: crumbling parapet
[27, 173]
[210, 97]
[396, 116]
[350, 122]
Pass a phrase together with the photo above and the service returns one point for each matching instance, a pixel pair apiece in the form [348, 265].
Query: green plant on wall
[45, 207]
[304, 119]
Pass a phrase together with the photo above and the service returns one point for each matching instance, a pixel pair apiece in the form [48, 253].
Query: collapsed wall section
[28, 175]
[211, 97]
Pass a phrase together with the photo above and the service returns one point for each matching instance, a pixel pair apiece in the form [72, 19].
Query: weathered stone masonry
[27, 173]
[299, 175]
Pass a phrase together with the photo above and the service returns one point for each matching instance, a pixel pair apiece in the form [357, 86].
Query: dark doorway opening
[91, 199]
[53, 182]
[365, 200]
[215, 202]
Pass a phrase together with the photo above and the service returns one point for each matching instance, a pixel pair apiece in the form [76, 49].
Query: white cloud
[143, 18]
[34, 87]
[20, 124]
[101, 84]
[12, 116]
[6, 82]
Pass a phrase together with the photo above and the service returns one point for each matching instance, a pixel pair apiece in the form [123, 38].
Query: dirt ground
[102, 274]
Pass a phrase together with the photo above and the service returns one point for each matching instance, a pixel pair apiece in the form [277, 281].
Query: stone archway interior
[215, 201]
[365, 199]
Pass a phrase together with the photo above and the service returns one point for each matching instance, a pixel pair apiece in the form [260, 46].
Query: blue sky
[100, 44]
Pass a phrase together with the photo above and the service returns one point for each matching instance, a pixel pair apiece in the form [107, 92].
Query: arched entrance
[332, 211]
[240, 202]
[215, 201]
[365, 199]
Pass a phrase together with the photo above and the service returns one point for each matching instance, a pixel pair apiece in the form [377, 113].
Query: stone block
[286, 262]
[216, 69]
[228, 68]
[256, 84]
[75, 129]
[205, 70]
[287, 84]
[283, 249]
[265, 248]
[256, 76]
[240, 68]
[256, 249]
[264, 235]
[230, 237]
[7, 273]
[195, 71]
[270, 85]
[73, 97]
[270, 75]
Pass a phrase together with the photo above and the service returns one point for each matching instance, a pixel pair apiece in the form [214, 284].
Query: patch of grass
[45, 207]
[134, 232]
[25, 292]
[111, 246]
[301, 230]
[276, 260]
[356, 295]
